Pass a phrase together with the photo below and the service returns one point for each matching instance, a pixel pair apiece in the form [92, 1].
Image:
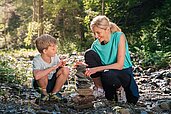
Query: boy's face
[51, 50]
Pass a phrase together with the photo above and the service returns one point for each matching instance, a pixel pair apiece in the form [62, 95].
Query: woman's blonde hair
[103, 22]
[44, 41]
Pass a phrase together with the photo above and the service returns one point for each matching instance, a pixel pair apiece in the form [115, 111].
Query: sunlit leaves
[15, 66]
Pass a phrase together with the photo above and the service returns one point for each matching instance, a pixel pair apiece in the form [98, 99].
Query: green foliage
[146, 24]
[92, 8]
[14, 66]
[163, 32]
[69, 47]
[17, 14]
[32, 31]
[157, 60]
[138, 19]
[6, 72]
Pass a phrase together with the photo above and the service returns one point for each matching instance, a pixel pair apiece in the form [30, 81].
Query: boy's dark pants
[112, 79]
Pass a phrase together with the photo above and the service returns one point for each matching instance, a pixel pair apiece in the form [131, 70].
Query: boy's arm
[41, 73]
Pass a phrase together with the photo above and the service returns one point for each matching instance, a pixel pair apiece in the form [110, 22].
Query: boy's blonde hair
[44, 41]
[103, 22]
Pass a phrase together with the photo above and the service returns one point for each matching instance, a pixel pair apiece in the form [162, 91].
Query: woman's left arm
[120, 59]
[121, 54]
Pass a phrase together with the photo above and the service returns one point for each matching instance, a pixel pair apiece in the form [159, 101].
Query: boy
[49, 71]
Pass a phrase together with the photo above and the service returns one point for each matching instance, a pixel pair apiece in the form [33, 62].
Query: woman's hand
[79, 63]
[90, 71]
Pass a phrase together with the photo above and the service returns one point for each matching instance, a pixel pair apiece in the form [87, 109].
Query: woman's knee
[89, 52]
[92, 59]
[88, 56]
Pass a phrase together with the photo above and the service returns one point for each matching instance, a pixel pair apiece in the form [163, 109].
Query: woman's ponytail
[114, 27]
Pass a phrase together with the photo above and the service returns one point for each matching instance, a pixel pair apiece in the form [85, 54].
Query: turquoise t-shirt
[108, 52]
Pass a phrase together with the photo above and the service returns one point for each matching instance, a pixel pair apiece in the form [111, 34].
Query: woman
[109, 62]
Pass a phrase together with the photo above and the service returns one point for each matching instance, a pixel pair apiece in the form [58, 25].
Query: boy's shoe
[98, 92]
[44, 97]
[41, 99]
[58, 97]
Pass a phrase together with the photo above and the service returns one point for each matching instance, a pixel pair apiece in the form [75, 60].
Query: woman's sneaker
[98, 92]
[121, 95]
[57, 97]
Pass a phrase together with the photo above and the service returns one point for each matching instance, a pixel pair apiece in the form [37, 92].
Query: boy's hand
[55, 67]
[60, 64]
[63, 63]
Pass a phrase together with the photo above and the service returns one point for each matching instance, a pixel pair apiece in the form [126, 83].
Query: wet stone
[85, 93]
[124, 111]
[165, 106]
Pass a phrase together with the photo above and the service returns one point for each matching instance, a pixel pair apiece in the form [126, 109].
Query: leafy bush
[15, 67]
[157, 60]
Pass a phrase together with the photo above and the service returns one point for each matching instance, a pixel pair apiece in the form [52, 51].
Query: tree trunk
[40, 17]
[35, 12]
[103, 7]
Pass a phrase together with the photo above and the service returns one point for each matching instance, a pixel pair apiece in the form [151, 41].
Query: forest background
[146, 24]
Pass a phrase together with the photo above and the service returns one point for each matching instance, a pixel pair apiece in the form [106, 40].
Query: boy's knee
[65, 71]
[42, 83]
[43, 79]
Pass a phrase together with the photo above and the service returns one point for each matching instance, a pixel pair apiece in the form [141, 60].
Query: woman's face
[101, 34]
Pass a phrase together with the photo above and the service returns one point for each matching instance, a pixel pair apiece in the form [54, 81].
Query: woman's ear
[108, 29]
